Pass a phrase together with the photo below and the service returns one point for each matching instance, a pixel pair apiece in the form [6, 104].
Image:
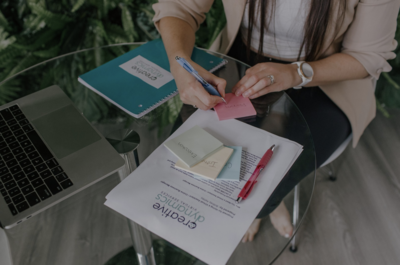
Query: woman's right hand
[192, 92]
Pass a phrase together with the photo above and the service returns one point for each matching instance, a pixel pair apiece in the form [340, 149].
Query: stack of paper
[198, 215]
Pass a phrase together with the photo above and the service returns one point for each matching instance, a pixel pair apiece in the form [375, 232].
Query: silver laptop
[48, 152]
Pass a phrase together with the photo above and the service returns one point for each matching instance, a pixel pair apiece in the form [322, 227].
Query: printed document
[201, 216]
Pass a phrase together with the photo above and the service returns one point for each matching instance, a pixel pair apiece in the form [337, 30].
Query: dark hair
[314, 28]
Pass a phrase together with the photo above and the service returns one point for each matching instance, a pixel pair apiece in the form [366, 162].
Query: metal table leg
[126, 143]
[296, 208]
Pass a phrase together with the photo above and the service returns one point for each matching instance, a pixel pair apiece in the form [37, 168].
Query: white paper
[147, 71]
[197, 215]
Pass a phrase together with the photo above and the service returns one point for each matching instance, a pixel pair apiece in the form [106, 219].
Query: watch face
[307, 70]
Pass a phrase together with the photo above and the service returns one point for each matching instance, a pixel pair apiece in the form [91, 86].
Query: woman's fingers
[262, 84]
[217, 82]
[195, 94]
[269, 89]
[265, 78]
[251, 83]
[196, 102]
[208, 100]
[239, 86]
[258, 68]
[220, 84]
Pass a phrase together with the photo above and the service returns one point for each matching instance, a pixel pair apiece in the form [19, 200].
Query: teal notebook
[140, 80]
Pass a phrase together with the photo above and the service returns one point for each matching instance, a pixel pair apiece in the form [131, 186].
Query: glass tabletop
[80, 229]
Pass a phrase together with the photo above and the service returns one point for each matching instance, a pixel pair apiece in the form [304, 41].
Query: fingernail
[287, 235]
[246, 94]
[237, 93]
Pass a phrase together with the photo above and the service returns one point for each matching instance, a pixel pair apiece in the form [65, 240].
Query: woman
[332, 51]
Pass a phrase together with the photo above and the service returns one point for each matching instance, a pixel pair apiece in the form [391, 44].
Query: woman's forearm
[178, 38]
[337, 67]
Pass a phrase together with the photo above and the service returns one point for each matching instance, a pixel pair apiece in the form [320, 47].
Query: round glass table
[81, 230]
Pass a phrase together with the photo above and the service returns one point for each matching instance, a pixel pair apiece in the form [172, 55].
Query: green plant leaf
[8, 93]
[382, 109]
[10, 54]
[127, 23]
[116, 33]
[26, 62]
[5, 41]
[77, 5]
[390, 80]
[39, 41]
[54, 21]
[50, 53]
[3, 22]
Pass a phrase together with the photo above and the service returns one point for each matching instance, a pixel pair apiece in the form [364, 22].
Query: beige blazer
[367, 33]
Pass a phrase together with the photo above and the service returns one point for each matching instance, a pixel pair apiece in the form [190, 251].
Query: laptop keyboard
[29, 173]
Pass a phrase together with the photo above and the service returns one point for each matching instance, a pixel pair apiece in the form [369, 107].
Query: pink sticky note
[236, 107]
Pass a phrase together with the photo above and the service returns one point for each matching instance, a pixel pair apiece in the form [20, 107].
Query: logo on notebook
[147, 71]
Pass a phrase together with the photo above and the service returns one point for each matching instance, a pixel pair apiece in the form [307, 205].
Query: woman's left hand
[257, 81]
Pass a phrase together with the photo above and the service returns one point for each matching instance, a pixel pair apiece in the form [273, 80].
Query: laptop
[48, 152]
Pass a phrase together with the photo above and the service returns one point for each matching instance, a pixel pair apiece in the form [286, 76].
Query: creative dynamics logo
[147, 71]
[169, 207]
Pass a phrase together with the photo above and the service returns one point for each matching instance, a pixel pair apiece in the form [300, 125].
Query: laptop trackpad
[65, 131]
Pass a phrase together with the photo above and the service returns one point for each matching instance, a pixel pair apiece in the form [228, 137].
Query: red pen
[244, 193]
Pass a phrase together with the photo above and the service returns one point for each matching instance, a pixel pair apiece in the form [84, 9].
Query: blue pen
[210, 89]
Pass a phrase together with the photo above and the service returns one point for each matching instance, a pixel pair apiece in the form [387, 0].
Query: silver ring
[194, 106]
[271, 78]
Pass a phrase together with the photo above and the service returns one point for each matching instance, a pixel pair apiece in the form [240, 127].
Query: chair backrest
[339, 150]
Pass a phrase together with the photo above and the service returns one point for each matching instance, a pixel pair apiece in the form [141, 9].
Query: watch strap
[304, 79]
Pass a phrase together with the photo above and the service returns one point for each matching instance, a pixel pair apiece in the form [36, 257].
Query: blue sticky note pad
[231, 170]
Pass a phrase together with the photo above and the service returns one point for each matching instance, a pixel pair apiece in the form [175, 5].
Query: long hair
[314, 28]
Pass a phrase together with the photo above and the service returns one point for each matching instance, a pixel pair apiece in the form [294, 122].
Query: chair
[5, 253]
[332, 177]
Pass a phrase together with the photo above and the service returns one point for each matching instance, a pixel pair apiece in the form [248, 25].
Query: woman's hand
[192, 92]
[257, 82]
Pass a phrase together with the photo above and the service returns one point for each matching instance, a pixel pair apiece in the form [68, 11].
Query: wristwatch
[305, 72]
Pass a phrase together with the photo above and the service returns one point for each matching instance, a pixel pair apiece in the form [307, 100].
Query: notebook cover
[193, 146]
[140, 80]
[209, 167]
[235, 107]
